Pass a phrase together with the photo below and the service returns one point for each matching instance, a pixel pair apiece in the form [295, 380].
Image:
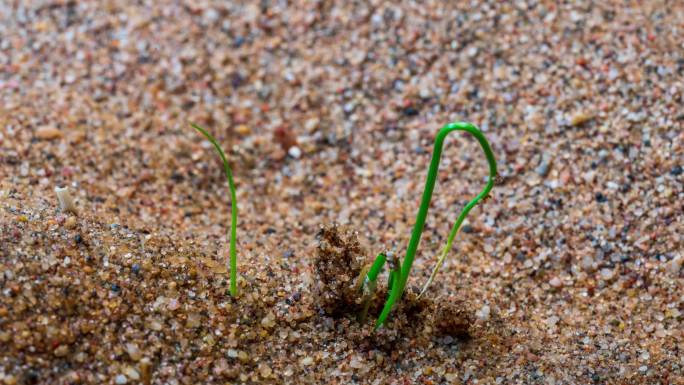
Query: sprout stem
[233, 208]
[399, 283]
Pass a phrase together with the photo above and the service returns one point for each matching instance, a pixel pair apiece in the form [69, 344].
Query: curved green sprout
[399, 279]
[233, 208]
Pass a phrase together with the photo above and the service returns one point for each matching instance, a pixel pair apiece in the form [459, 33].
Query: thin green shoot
[233, 208]
[369, 284]
[399, 280]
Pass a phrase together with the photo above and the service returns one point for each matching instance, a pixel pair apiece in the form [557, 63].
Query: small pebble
[579, 118]
[552, 321]
[173, 304]
[131, 373]
[265, 370]
[294, 152]
[120, 379]
[676, 264]
[62, 351]
[607, 274]
[133, 351]
[544, 165]
[410, 111]
[243, 130]
[555, 282]
[600, 198]
[70, 222]
[48, 133]
[483, 313]
[66, 202]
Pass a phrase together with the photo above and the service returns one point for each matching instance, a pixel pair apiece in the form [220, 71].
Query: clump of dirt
[338, 264]
[453, 318]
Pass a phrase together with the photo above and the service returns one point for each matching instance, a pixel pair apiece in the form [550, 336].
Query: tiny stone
[173, 304]
[294, 152]
[48, 133]
[306, 361]
[133, 351]
[356, 362]
[552, 321]
[544, 165]
[268, 321]
[243, 130]
[194, 320]
[232, 353]
[155, 325]
[579, 117]
[483, 313]
[265, 370]
[131, 373]
[677, 171]
[607, 274]
[120, 379]
[410, 111]
[135, 268]
[62, 351]
[349, 107]
[600, 198]
[66, 202]
[676, 264]
[70, 222]
[555, 282]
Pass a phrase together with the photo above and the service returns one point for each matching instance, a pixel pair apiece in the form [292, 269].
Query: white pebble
[555, 282]
[295, 152]
[587, 263]
[552, 321]
[483, 313]
[66, 202]
[607, 274]
[120, 379]
[676, 264]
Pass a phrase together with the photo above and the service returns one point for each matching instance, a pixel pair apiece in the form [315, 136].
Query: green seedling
[233, 208]
[370, 283]
[399, 276]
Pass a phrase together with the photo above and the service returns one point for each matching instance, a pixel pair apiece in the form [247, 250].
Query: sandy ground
[569, 274]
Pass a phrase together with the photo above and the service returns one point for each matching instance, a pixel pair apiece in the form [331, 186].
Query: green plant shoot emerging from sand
[398, 279]
[233, 208]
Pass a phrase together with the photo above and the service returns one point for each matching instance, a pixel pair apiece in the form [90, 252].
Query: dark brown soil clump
[338, 264]
[453, 318]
